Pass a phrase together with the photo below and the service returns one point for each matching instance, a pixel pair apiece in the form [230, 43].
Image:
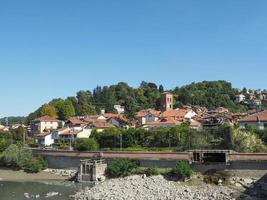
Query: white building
[258, 120]
[240, 98]
[44, 123]
[45, 139]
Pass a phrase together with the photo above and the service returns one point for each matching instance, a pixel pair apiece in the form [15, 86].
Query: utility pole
[120, 142]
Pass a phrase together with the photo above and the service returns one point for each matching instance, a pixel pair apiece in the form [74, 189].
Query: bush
[121, 168]
[10, 156]
[35, 165]
[86, 144]
[182, 169]
[25, 157]
[152, 171]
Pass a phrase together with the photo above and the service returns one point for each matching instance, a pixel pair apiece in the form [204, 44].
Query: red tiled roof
[75, 121]
[46, 119]
[261, 116]
[43, 134]
[178, 114]
[143, 113]
[102, 124]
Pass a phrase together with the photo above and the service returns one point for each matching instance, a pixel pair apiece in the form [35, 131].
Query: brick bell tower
[166, 101]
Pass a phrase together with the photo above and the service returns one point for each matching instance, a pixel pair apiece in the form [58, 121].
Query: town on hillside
[49, 131]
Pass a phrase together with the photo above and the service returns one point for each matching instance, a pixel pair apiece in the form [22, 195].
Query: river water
[15, 190]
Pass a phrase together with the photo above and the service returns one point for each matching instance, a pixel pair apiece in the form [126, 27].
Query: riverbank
[21, 176]
[233, 185]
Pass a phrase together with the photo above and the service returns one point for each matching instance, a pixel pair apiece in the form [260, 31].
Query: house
[118, 120]
[75, 123]
[178, 114]
[100, 126]
[240, 98]
[41, 124]
[70, 134]
[2, 127]
[45, 138]
[216, 119]
[194, 124]
[147, 116]
[258, 120]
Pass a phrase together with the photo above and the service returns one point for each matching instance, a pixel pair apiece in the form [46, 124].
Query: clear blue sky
[53, 48]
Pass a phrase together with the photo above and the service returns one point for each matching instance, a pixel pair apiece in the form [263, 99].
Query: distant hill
[13, 120]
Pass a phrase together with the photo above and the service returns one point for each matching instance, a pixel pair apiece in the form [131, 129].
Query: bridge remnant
[92, 170]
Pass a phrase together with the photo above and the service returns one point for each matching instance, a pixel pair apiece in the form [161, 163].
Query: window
[265, 125]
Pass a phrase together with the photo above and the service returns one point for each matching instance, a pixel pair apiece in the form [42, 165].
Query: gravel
[152, 188]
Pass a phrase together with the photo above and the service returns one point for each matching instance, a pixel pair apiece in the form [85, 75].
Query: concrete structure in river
[92, 170]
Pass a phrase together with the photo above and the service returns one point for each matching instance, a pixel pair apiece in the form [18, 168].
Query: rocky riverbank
[151, 188]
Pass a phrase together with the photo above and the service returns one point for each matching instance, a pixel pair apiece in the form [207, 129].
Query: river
[14, 185]
[16, 190]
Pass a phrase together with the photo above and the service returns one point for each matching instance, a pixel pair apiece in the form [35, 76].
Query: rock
[154, 187]
[144, 176]
[238, 185]
[51, 194]
[27, 195]
[247, 181]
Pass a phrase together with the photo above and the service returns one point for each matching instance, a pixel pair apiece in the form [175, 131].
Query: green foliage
[25, 157]
[4, 144]
[211, 94]
[35, 165]
[121, 168]
[48, 110]
[13, 120]
[182, 169]
[244, 141]
[152, 171]
[84, 104]
[11, 156]
[21, 158]
[86, 144]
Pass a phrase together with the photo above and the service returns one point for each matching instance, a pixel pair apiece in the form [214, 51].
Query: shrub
[86, 144]
[35, 165]
[25, 157]
[182, 169]
[121, 168]
[152, 171]
[10, 156]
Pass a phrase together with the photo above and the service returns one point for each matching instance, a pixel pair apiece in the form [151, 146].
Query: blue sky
[53, 48]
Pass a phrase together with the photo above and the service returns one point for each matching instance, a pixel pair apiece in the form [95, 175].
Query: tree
[121, 167]
[48, 110]
[161, 89]
[244, 141]
[86, 144]
[18, 134]
[65, 110]
[84, 105]
[11, 156]
[182, 169]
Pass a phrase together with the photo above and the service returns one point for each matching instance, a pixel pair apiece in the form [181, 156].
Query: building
[240, 98]
[44, 123]
[166, 101]
[147, 116]
[45, 139]
[178, 114]
[258, 120]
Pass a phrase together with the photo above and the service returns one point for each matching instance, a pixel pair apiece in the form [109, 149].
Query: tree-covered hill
[211, 94]
[12, 120]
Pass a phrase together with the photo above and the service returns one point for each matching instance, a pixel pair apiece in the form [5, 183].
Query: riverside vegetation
[13, 154]
[179, 138]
